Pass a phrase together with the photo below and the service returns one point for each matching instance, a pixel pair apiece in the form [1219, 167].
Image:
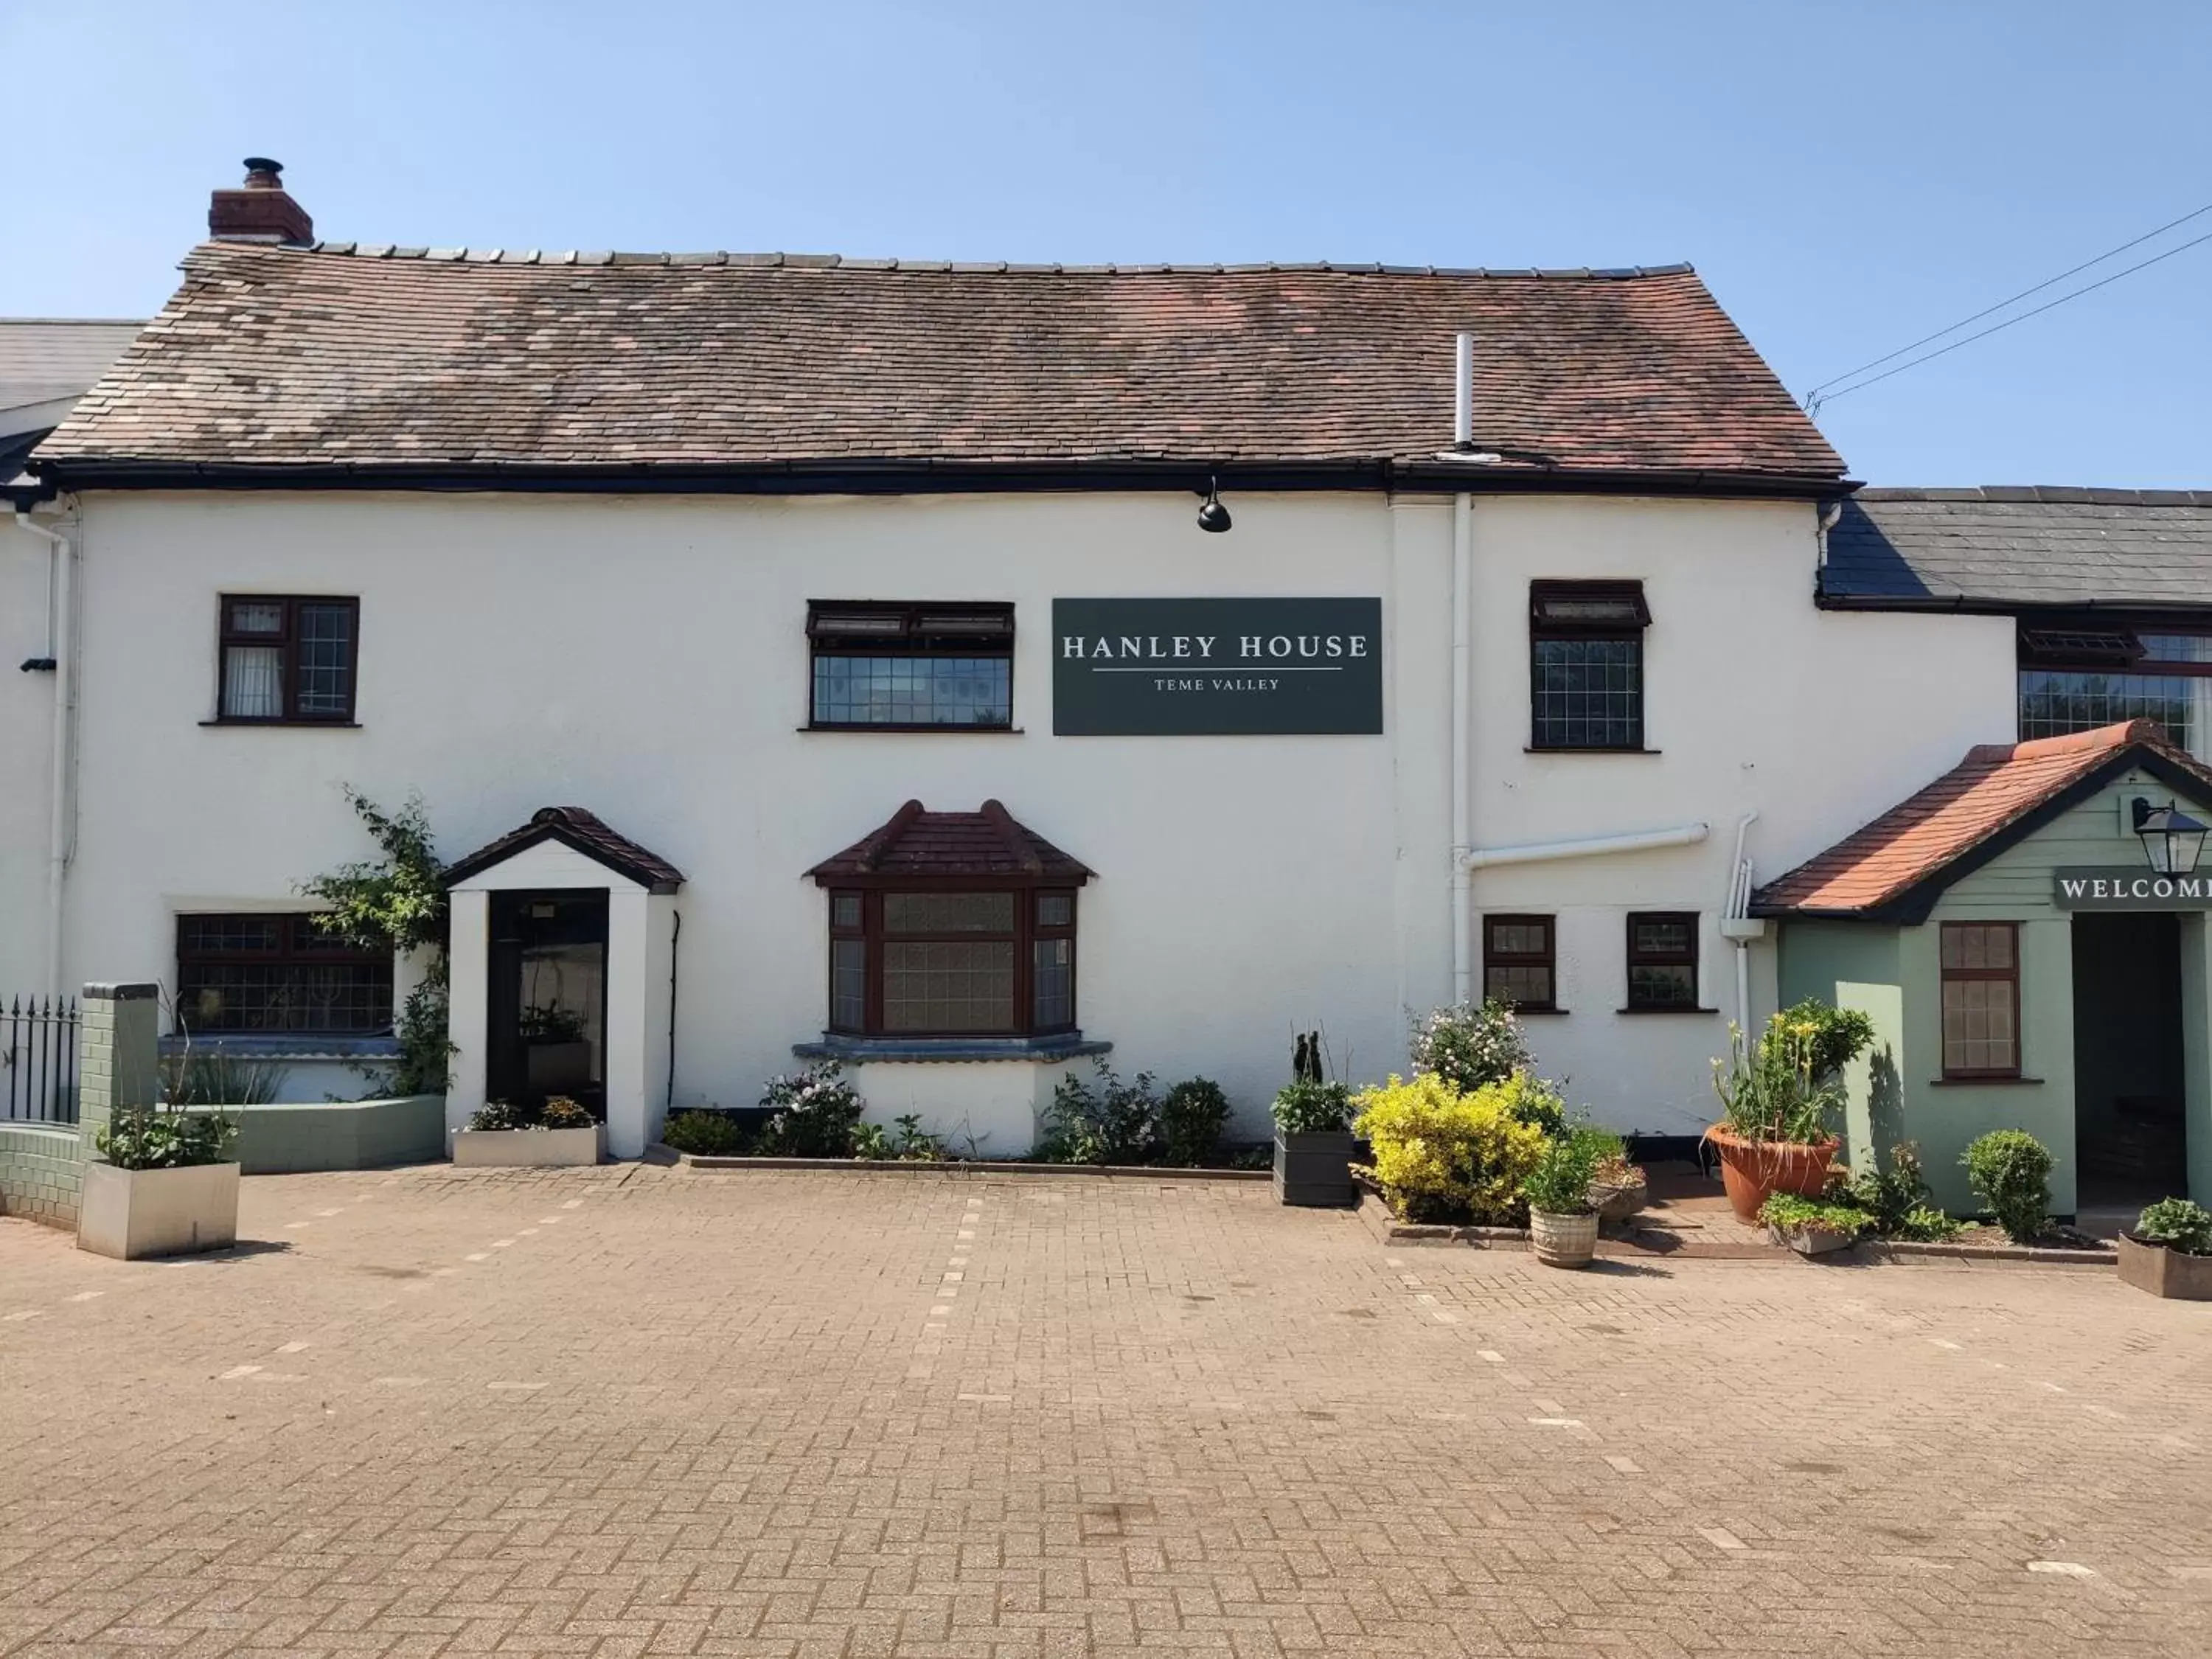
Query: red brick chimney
[263, 212]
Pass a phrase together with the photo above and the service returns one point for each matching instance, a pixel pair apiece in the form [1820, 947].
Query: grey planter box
[530, 1149]
[133, 1213]
[2162, 1271]
[1313, 1169]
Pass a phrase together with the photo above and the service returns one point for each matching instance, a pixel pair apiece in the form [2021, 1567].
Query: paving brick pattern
[645, 1411]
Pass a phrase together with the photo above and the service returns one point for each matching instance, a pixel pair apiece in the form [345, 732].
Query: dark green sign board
[1221, 667]
[2129, 887]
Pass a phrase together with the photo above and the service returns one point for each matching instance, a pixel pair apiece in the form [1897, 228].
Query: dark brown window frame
[290, 642]
[300, 945]
[915, 638]
[1029, 895]
[1548, 959]
[2102, 646]
[1945, 975]
[1636, 958]
[1543, 626]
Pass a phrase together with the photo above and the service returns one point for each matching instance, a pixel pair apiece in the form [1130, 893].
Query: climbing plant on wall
[397, 901]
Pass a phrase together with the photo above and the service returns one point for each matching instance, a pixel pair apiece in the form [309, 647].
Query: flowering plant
[1471, 1046]
[815, 1113]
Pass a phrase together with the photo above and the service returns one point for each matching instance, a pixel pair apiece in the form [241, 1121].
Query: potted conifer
[1313, 1137]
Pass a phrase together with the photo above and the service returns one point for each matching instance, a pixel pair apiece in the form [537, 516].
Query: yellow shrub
[1442, 1156]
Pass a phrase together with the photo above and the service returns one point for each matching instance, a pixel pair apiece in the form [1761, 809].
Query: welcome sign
[2130, 889]
[1216, 667]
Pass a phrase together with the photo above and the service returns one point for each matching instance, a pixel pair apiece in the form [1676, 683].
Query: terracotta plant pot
[1563, 1240]
[1754, 1170]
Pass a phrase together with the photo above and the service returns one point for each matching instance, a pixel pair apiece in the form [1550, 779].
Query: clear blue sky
[1847, 177]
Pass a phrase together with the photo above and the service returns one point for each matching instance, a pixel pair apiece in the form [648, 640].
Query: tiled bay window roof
[344, 361]
[917, 843]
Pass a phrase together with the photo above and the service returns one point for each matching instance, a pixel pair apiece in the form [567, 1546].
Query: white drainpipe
[63, 646]
[1542, 851]
[1462, 761]
[1736, 923]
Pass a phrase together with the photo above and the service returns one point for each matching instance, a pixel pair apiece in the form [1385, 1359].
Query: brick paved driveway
[662, 1410]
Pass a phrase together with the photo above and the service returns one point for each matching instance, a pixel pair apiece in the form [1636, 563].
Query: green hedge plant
[1193, 1114]
[2177, 1224]
[705, 1134]
[2010, 1170]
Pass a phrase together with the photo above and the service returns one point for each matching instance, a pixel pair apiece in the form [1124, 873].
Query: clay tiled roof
[338, 356]
[2014, 549]
[583, 832]
[917, 842]
[1981, 806]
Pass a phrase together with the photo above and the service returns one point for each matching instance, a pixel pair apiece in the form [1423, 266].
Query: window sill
[1581, 749]
[860, 1050]
[1539, 1013]
[1984, 1082]
[1641, 1011]
[289, 1045]
[313, 726]
[948, 731]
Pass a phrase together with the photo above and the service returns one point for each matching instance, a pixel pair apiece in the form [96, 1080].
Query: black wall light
[2171, 839]
[1213, 518]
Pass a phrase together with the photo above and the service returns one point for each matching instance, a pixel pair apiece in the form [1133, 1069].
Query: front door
[546, 1009]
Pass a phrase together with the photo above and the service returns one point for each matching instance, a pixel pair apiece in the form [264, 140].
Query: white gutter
[1542, 851]
[62, 647]
[1462, 694]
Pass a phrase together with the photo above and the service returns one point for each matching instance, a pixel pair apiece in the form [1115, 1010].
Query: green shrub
[1192, 1117]
[497, 1114]
[1926, 1225]
[1892, 1194]
[1470, 1046]
[912, 1144]
[704, 1134]
[1110, 1122]
[1788, 1212]
[815, 1113]
[562, 1113]
[1834, 1037]
[1443, 1155]
[2178, 1224]
[1312, 1108]
[871, 1143]
[2010, 1170]
[208, 1077]
[165, 1138]
[1560, 1182]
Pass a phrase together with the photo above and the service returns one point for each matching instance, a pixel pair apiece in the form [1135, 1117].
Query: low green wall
[353, 1134]
[41, 1168]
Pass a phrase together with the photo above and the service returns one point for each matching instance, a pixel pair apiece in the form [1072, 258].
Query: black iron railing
[37, 1060]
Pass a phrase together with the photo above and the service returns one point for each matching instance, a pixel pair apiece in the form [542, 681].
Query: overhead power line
[1999, 328]
[1814, 398]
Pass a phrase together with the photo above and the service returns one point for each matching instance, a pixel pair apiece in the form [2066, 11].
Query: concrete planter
[1812, 1240]
[529, 1149]
[1620, 1202]
[2164, 1272]
[1563, 1240]
[131, 1213]
[1313, 1168]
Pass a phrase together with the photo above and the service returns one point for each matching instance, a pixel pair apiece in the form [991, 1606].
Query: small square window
[1056, 909]
[287, 660]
